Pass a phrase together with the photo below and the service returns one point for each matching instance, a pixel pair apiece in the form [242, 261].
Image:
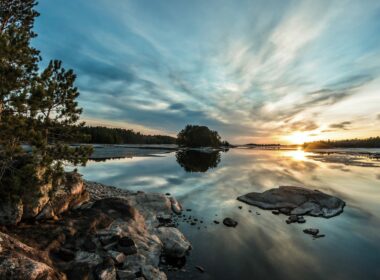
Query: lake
[262, 246]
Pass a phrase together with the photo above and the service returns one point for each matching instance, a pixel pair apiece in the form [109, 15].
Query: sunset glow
[277, 72]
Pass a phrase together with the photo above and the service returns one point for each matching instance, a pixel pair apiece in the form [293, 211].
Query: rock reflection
[197, 161]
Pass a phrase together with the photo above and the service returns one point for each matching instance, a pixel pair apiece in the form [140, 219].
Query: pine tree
[38, 109]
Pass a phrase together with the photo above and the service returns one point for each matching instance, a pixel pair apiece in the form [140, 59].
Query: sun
[298, 138]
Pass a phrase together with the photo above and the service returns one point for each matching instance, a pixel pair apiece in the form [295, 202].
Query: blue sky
[256, 71]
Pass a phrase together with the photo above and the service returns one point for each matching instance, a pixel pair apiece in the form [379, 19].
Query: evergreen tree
[38, 109]
[198, 136]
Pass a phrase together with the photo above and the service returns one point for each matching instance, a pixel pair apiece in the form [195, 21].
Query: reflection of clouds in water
[349, 159]
[339, 167]
[262, 244]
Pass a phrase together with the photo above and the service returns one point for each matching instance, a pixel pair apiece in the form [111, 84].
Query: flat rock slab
[296, 201]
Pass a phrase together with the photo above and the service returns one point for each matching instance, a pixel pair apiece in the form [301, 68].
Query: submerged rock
[296, 201]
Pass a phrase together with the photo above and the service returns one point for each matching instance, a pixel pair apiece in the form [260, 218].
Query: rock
[201, 269]
[125, 275]
[21, 262]
[151, 273]
[109, 238]
[300, 201]
[126, 241]
[70, 194]
[292, 219]
[91, 259]
[175, 244]
[105, 272]
[312, 231]
[240, 207]
[301, 220]
[285, 211]
[216, 222]
[276, 212]
[11, 211]
[230, 222]
[130, 250]
[118, 257]
[176, 206]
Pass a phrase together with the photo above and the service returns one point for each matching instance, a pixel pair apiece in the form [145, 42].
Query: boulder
[21, 262]
[66, 196]
[174, 242]
[297, 201]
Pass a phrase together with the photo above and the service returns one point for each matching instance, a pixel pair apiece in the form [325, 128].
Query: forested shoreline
[106, 135]
[372, 142]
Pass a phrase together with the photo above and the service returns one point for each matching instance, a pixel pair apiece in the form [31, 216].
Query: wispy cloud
[253, 70]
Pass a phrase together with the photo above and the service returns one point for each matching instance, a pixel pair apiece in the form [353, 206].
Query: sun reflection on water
[298, 155]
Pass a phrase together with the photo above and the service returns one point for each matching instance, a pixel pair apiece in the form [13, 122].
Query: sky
[257, 71]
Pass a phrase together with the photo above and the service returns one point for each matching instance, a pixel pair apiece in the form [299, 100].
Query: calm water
[263, 246]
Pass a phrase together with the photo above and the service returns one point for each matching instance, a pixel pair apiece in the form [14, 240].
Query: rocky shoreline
[112, 234]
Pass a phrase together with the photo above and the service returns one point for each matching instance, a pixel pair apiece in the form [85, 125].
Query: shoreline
[116, 233]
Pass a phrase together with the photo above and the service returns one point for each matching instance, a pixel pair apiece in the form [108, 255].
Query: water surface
[263, 246]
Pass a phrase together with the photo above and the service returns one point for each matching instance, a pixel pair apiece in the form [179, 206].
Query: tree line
[372, 142]
[106, 135]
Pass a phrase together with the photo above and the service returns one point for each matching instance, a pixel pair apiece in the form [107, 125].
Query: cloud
[342, 125]
[303, 126]
[277, 67]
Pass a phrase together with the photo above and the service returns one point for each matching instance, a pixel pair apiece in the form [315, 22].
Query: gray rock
[125, 275]
[300, 201]
[175, 243]
[118, 257]
[151, 273]
[230, 222]
[91, 259]
[176, 206]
